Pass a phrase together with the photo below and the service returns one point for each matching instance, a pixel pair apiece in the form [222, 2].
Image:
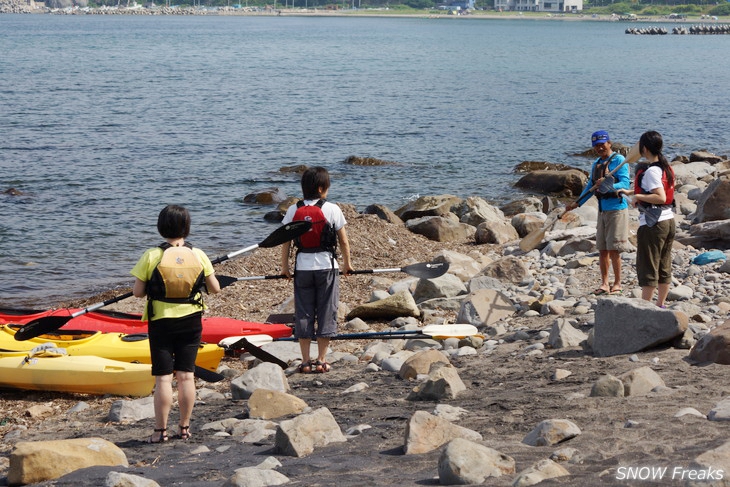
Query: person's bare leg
[662, 294]
[647, 293]
[304, 344]
[322, 344]
[185, 400]
[615, 257]
[162, 401]
[603, 265]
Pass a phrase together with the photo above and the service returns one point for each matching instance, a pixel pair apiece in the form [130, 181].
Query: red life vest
[322, 237]
[666, 183]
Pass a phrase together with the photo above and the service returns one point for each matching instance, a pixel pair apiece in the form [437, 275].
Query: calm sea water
[104, 120]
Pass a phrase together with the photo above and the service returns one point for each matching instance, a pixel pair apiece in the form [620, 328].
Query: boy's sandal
[161, 436]
[184, 432]
[600, 292]
[322, 367]
[305, 368]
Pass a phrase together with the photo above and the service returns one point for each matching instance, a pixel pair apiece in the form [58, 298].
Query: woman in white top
[653, 194]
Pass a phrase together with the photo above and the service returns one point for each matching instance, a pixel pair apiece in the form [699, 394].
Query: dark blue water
[104, 120]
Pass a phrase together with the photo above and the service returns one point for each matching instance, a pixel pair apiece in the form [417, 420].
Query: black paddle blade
[285, 233]
[226, 281]
[428, 270]
[208, 375]
[41, 326]
[257, 352]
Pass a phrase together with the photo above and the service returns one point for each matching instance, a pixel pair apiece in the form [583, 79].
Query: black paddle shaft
[424, 270]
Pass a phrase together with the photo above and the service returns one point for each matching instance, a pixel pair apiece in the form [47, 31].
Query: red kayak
[215, 328]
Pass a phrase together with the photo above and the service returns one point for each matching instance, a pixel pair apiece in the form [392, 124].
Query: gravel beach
[510, 388]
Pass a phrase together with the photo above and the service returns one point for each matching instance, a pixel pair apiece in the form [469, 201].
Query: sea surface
[106, 119]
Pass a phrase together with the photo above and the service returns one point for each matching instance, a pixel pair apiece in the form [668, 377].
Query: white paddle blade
[257, 340]
[451, 331]
[634, 154]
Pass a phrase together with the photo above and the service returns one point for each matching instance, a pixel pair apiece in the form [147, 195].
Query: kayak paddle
[430, 331]
[533, 239]
[423, 270]
[48, 324]
[208, 375]
[284, 233]
[254, 348]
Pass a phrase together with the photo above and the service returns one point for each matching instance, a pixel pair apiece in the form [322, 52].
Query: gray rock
[465, 462]
[551, 432]
[625, 326]
[300, 436]
[263, 376]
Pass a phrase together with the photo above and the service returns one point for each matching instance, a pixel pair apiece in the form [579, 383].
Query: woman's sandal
[161, 436]
[184, 432]
[322, 367]
[305, 368]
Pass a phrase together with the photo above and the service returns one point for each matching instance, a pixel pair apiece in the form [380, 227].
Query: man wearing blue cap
[612, 230]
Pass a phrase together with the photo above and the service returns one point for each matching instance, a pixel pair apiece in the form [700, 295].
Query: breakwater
[700, 29]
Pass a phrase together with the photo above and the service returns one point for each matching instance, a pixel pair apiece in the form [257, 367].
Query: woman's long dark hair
[653, 142]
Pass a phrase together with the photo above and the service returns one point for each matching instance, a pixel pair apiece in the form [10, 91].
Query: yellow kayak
[113, 346]
[82, 374]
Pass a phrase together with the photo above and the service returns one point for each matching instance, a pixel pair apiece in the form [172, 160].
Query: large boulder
[384, 213]
[561, 183]
[495, 232]
[484, 307]
[509, 269]
[711, 234]
[475, 210]
[268, 196]
[395, 306]
[714, 204]
[714, 347]
[428, 206]
[466, 462]
[625, 325]
[441, 229]
[299, 437]
[426, 432]
[37, 461]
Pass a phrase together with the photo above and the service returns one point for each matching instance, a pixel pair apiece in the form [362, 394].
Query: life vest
[668, 185]
[322, 237]
[600, 171]
[177, 278]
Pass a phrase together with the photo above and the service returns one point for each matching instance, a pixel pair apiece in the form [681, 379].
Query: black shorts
[174, 343]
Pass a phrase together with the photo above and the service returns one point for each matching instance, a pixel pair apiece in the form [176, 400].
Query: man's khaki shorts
[612, 231]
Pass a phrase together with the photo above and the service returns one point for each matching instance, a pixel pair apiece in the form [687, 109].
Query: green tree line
[600, 7]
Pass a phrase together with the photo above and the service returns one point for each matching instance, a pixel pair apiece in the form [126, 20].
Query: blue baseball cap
[600, 137]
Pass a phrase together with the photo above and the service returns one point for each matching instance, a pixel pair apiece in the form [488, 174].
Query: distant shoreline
[567, 17]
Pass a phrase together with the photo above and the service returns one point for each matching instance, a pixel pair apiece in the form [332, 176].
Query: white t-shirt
[652, 179]
[317, 261]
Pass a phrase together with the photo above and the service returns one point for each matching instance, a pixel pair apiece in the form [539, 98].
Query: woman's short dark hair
[174, 222]
[314, 178]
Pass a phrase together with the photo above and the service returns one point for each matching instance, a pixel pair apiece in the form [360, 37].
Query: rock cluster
[15, 7]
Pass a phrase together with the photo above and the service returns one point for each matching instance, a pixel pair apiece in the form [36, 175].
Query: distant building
[460, 5]
[554, 6]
